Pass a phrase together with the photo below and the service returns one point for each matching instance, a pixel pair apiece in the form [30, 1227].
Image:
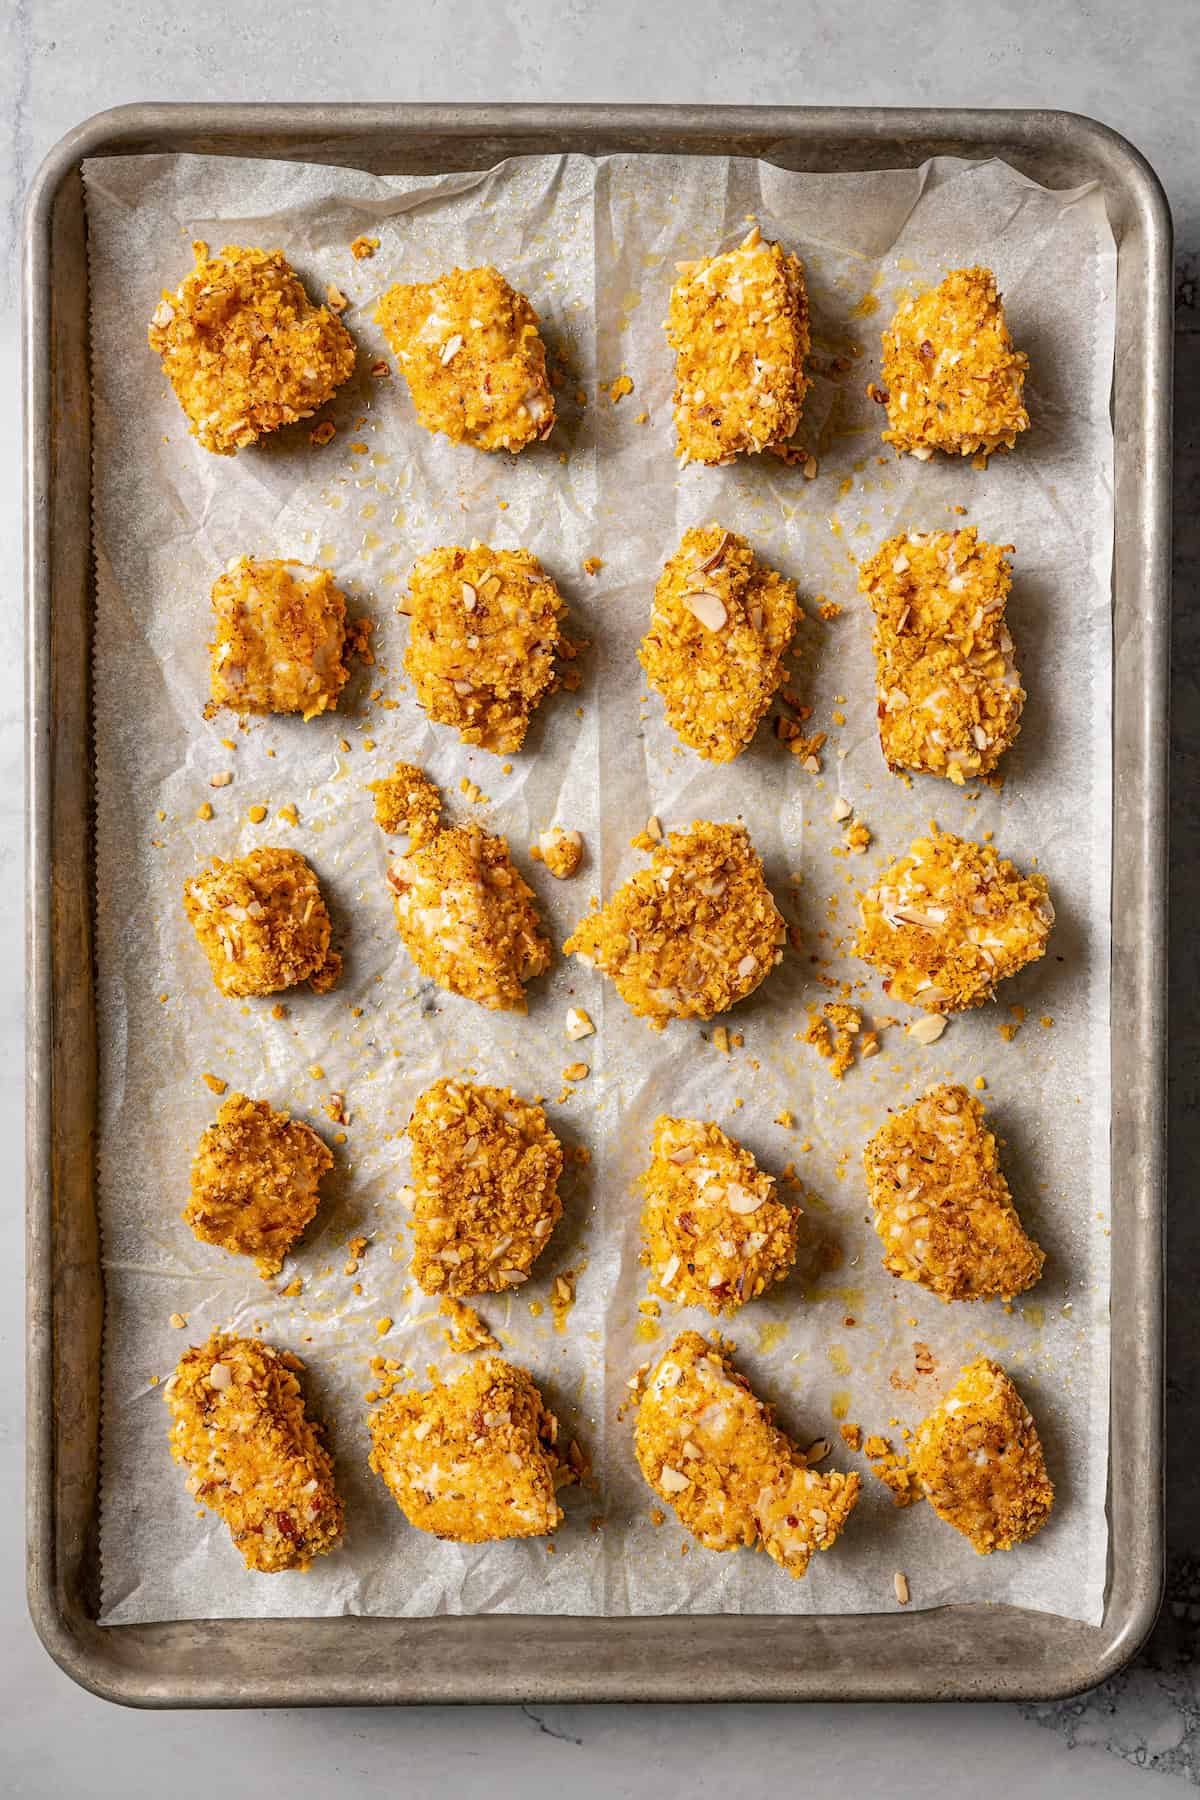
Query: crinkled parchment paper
[594, 245]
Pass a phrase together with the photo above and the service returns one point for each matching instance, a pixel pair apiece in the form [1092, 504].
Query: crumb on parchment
[560, 851]
[467, 1331]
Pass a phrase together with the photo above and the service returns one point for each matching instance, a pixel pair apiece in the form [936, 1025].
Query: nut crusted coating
[980, 1461]
[254, 1181]
[951, 376]
[262, 923]
[407, 801]
[471, 352]
[485, 1175]
[253, 1455]
[281, 639]
[709, 1448]
[949, 920]
[949, 695]
[738, 324]
[474, 1461]
[943, 1209]
[715, 1231]
[467, 918]
[483, 642]
[245, 349]
[719, 627]
[690, 935]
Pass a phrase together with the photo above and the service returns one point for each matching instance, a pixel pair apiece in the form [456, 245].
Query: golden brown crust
[407, 801]
[949, 695]
[942, 1207]
[951, 376]
[245, 349]
[715, 1232]
[980, 1461]
[690, 935]
[262, 923]
[485, 1178]
[470, 349]
[719, 627]
[254, 1181]
[280, 638]
[473, 1461]
[253, 1454]
[710, 1449]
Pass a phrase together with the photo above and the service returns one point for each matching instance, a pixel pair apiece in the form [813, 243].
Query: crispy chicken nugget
[951, 378]
[690, 935]
[980, 1461]
[710, 1449]
[943, 1210]
[253, 1455]
[473, 1461]
[719, 627]
[281, 638]
[715, 1231]
[949, 920]
[949, 695]
[484, 641]
[738, 324]
[254, 1181]
[470, 349]
[485, 1177]
[245, 349]
[262, 923]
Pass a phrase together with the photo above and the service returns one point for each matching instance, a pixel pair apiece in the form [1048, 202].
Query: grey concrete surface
[1135, 68]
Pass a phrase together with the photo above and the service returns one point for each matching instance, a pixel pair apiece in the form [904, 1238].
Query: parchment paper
[594, 245]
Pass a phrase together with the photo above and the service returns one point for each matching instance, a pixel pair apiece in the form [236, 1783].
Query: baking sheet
[594, 246]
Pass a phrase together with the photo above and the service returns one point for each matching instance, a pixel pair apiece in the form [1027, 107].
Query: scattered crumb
[215, 1083]
[363, 247]
[620, 387]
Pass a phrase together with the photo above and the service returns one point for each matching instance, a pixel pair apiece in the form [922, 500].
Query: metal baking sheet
[956, 1651]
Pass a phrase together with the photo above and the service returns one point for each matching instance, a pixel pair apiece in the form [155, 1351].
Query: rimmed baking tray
[946, 1653]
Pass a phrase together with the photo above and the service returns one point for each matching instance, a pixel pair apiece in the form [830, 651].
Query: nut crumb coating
[484, 640]
[407, 801]
[253, 1455]
[949, 920]
[245, 349]
[980, 1461]
[719, 626]
[949, 695]
[473, 1461]
[485, 1179]
[691, 934]
[470, 349]
[942, 1207]
[738, 324]
[952, 379]
[716, 1233]
[280, 639]
[262, 923]
[254, 1181]
[710, 1449]
[466, 1330]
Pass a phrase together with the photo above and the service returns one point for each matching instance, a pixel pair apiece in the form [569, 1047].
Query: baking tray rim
[709, 1657]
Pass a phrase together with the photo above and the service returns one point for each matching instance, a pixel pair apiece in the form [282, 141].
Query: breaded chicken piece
[951, 378]
[949, 920]
[485, 1179]
[690, 935]
[470, 349]
[245, 349]
[484, 641]
[473, 1461]
[253, 1455]
[710, 1449]
[738, 324]
[262, 923]
[949, 695]
[719, 627]
[281, 638]
[254, 1181]
[716, 1233]
[980, 1461]
[407, 801]
[943, 1209]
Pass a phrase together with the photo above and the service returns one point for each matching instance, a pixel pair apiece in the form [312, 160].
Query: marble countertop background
[1134, 68]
